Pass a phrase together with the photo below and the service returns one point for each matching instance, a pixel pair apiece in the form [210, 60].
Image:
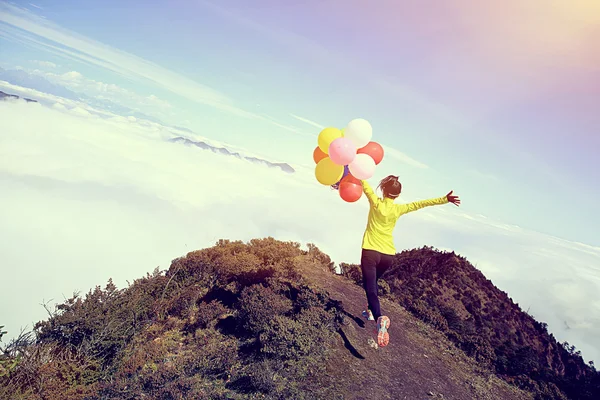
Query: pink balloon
[362, 167]
[342, 151]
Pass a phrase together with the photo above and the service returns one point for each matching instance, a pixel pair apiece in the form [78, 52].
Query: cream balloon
[359, 131]
[363, 166]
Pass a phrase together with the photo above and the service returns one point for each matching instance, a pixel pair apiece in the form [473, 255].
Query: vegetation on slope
[240, 321]
[231, 321]
[446, 291]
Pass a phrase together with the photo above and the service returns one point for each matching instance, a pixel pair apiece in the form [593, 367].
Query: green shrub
[427, 314]
[292, 339]
[258, 306]
[208, 312]
[352, 271]
[273, 252]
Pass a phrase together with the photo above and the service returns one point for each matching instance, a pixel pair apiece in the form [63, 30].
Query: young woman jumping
[378, 243]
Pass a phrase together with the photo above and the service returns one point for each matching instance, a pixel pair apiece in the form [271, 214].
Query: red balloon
[318, 155]
[351, 179]
[349, 191]
[374, 150]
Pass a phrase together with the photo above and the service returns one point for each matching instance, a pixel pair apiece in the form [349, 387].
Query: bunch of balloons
[346, 156]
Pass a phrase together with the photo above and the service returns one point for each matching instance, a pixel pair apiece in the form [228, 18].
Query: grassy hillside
[267, 319]
[446, 291]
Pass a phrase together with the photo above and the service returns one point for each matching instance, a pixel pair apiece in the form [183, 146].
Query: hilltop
[267, 319]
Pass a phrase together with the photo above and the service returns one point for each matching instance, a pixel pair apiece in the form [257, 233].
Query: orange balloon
[350, 191]
[374, 150]
[318, 155]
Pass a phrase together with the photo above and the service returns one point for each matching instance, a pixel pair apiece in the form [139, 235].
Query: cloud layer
[45, 64]
[86, 198]
[75, 81]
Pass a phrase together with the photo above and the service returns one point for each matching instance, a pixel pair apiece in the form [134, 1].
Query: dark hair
[390, 186]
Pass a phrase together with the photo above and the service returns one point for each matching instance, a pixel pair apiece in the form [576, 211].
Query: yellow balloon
[327, 172]
[327, 136]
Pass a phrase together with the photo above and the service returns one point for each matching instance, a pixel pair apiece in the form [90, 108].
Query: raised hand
[453, 199]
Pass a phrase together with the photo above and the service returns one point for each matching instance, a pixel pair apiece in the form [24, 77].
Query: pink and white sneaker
[383, 337]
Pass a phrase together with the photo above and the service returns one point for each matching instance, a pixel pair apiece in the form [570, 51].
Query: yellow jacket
[383, 215]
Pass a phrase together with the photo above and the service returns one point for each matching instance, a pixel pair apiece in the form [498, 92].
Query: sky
[496, 101]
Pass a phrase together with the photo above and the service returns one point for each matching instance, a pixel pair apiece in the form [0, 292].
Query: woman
[378, 243]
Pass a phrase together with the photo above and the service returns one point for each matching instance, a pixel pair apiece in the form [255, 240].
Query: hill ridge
[285, 167]
[8, 96]
[263, 319]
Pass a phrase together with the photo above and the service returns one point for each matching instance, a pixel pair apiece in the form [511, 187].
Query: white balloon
[359, 131]
[363, 166]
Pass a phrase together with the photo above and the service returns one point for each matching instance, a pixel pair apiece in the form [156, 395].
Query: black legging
[373, 264]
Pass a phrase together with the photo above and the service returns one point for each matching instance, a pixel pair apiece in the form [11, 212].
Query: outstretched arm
[417, 205]
[371, 196]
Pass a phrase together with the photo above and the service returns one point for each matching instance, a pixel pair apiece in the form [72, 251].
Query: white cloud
[46, 98]
[46, 64]
[288, 128]
[308, 121]
[76, 82]
[85, 199]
